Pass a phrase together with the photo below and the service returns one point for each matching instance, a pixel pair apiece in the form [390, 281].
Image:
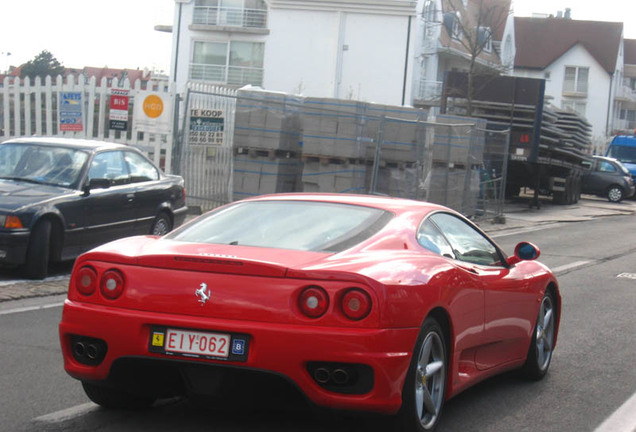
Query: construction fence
[236, 144]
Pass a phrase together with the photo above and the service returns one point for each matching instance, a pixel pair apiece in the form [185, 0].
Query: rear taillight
[86, 280]
[112, 284]
[355, 304]
[313, 302]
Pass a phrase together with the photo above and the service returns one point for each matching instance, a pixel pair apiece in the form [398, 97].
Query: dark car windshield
[296, 225]
[623, 153]
[58, 166]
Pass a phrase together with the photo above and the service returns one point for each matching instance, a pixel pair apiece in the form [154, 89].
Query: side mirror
[96, 183]
[524, 251]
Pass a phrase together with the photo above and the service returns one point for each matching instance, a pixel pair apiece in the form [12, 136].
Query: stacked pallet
[267, 136]
[285, 144]
[333, 145]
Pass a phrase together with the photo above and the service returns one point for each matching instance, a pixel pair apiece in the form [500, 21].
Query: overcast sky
[120, 33]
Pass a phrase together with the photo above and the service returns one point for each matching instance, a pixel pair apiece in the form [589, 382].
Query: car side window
[467, 243]
[606, 167]
[140, 169]
[110, 165]
[429, 237]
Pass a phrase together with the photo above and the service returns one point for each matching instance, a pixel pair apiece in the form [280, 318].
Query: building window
[430, 11]
[576, 106]
[575, 80]
[484, 38]
[233, 63]
[233, 13]
[452, 22]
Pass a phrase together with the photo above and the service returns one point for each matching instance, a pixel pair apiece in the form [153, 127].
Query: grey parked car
[60, 197]
[609, 178]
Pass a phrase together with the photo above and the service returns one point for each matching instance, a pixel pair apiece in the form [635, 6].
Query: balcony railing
[626, 92]
[231, 17]
[430, 90]
[232, 75]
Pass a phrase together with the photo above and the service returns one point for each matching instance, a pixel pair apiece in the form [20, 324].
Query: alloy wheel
[545, 333]
[430, 379]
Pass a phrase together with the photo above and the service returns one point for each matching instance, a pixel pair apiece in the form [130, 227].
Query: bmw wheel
[615, 194]
[38, 251]
[543, 338]
[161, 225]
[425, 386]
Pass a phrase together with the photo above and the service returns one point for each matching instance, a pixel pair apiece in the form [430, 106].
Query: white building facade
[352, 49]
[582, 63]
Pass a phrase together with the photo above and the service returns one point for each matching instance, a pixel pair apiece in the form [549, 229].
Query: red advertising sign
[118, 109]
[118, 102]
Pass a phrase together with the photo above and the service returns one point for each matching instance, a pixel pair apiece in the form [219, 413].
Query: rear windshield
[296, 225]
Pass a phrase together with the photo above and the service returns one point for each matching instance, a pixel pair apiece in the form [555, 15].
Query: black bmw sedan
[60, 197]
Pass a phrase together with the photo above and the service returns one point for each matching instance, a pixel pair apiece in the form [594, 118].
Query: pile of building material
[267, 138]
[286, 144]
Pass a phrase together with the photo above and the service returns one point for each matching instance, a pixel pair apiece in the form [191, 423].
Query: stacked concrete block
[398, 180]
[267, 120]
[258, 172]
[403, 132]
[333, 175]
[457, 188]
[459, 140]
[333, 128]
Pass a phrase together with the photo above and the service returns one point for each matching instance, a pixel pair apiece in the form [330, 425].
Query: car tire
[162, 225]
[424, 390]
[38, 251]
[615, 193]
[114, 398]
[543, 338]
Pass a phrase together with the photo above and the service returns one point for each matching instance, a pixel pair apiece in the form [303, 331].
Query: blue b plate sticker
[238, 346]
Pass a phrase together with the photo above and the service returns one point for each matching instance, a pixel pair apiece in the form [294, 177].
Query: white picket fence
[28, 109]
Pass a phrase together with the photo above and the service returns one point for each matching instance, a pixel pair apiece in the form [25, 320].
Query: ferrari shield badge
[203, 293]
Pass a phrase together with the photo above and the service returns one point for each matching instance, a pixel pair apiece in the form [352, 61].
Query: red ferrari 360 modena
[362, 302]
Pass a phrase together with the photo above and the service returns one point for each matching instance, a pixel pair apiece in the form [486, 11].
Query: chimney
[559, 14]
[568, 13]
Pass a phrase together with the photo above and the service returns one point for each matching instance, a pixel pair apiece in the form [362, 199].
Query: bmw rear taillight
[112, 284]
[86, 281]
[355, 304]
[313, 302]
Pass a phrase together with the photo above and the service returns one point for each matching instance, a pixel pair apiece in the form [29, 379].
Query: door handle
[130, 197]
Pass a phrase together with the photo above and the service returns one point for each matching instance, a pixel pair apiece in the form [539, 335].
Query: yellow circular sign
[153, 106]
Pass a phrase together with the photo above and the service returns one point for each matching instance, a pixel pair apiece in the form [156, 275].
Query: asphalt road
[591, 376]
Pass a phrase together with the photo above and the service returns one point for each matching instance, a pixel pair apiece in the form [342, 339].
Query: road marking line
[622, 420]
[31, 308]
[67, 414]
[570, 266]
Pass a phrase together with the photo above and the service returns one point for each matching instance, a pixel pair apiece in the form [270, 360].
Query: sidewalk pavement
[518, 217]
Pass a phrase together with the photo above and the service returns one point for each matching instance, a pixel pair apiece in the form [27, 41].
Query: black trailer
[547, 145]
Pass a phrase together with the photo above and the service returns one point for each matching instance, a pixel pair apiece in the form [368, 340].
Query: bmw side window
[429, 237]
[140, 169]
[467, 243]
[111, 166]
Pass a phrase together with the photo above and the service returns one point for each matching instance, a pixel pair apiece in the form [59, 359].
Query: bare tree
[473, 24]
